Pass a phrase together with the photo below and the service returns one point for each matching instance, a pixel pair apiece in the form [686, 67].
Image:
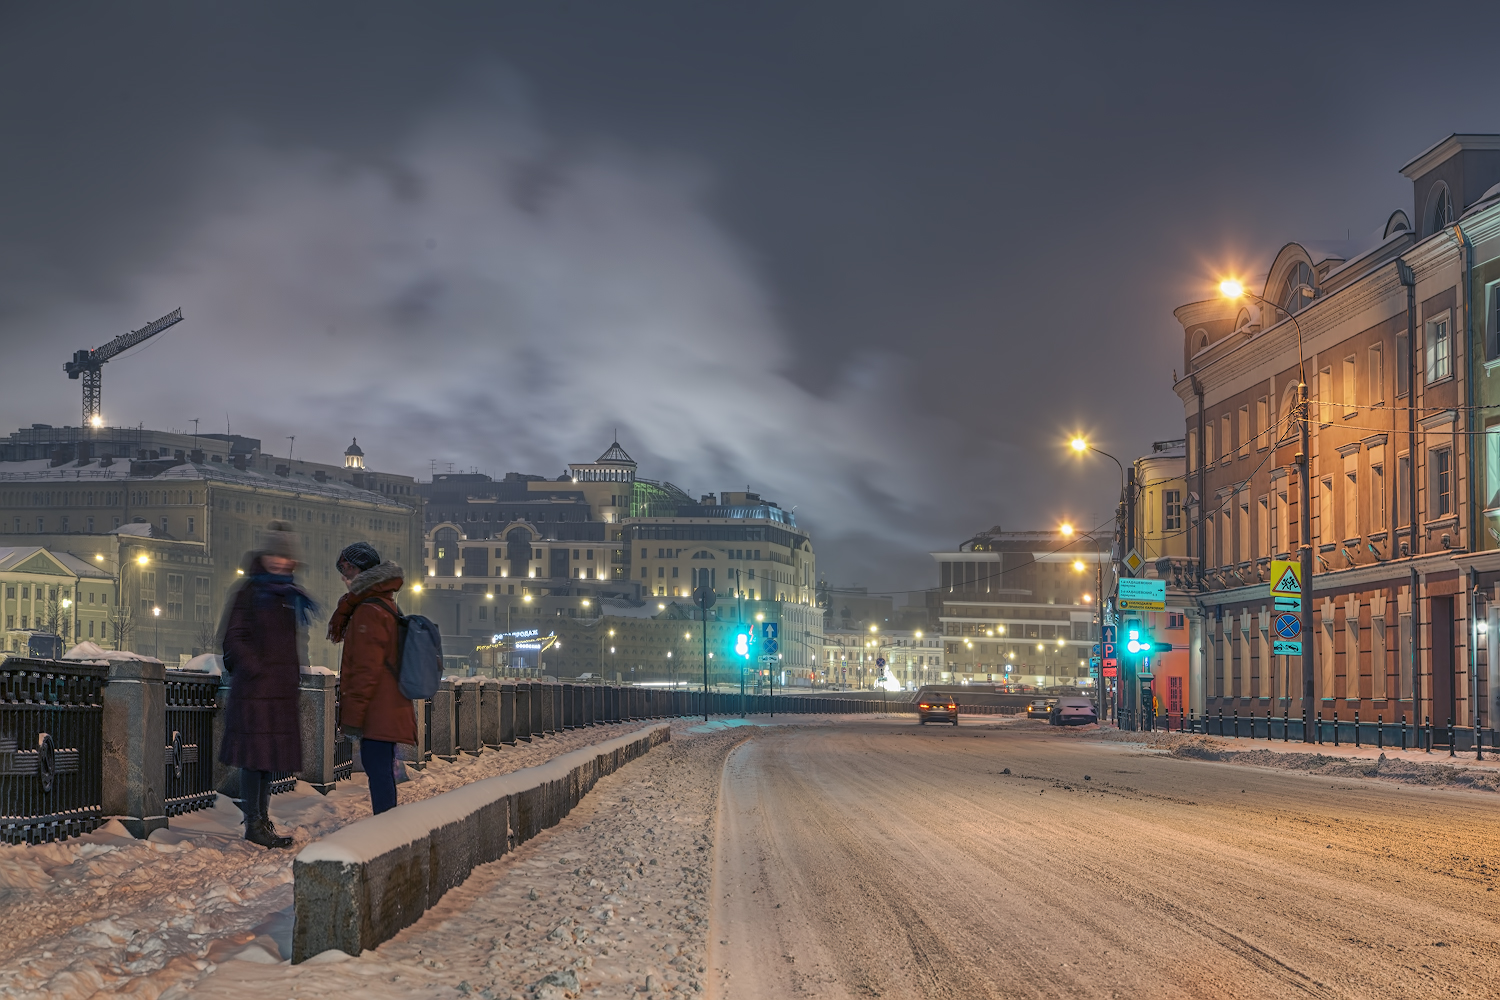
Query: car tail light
[923, 705]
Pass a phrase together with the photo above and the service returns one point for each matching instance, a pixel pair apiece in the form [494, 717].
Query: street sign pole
[705, 598]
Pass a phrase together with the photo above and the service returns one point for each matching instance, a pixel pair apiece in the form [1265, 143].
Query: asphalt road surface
[891, 860]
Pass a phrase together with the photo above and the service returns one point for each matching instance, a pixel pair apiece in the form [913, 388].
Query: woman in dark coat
[263, 645]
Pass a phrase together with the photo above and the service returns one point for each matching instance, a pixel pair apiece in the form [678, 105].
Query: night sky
[877, 261]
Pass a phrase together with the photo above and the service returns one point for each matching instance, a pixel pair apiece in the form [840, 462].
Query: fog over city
[827, 261]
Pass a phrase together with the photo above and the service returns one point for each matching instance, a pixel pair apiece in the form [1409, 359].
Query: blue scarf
[285, 587]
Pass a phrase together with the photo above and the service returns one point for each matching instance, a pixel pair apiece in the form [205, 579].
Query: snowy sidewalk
[1417, 767]
[109, 913]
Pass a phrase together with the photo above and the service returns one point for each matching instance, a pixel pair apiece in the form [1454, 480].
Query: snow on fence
[362, 884]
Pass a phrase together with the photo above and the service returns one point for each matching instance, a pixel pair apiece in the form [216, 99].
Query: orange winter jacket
[370, 697]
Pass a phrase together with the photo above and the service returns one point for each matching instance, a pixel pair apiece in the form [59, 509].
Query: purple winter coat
[262, 729]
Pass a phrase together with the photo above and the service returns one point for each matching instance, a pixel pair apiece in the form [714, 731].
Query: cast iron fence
[192, 700]
[343, 746]
[1399, 734]
[51, 749]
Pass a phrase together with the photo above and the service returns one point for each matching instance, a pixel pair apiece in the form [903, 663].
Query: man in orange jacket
[372, 708]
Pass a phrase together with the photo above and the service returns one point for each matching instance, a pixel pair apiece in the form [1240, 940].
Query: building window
[1351, 496]
[1351, 407]
[1263, 439]
[192, 523]
[1403, 364]
[1171, 510]
[1299, 288]
[1227, 442]
[1325, 397]
[1440, 462]
[1400, 514]
[1440, 214]
[1326, 532]
[1245, 431]
[1377, 498]
[1377, 375]
[1438, 341]
[1263, 526]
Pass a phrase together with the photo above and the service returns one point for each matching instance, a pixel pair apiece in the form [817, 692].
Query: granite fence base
[362, 884]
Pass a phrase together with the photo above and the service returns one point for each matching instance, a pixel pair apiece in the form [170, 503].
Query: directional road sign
[1288, 604]
[768, 630]
[1143, 595]
[1109, 633]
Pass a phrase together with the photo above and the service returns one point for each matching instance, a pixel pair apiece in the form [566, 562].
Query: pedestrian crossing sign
[1286, 578]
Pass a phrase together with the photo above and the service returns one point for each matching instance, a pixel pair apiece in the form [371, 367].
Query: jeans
[255, 794]
[379, 760]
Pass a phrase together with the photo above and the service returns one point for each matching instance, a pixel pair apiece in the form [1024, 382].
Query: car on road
[1072, 712]
[1041, 708]
[936, 707]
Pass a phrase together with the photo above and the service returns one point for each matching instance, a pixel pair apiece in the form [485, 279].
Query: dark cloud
[874, 259]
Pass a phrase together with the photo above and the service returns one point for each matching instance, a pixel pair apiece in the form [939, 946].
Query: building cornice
[1237, 361]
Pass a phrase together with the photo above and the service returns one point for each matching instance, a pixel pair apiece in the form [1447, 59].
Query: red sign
[1110, 671]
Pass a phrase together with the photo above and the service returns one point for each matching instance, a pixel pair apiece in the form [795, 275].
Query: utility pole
[1305, 559]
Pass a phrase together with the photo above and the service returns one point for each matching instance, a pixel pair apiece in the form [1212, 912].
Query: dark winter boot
[260, 831]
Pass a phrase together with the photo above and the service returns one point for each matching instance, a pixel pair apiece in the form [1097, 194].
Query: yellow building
[45, 591]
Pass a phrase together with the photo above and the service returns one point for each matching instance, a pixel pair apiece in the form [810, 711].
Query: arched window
[1298, 289]
[1200, 340]
[1439, 208]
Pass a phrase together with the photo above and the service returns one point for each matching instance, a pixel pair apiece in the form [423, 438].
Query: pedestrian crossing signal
[742, 644]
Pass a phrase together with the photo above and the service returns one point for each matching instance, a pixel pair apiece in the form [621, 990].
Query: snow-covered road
[1011, 860]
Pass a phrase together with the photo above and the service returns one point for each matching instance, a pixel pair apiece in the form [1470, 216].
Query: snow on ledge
[362, 842]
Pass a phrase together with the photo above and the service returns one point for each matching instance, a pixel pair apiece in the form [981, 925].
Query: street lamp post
[1233, 290]
[1124, 512]
[156, 613]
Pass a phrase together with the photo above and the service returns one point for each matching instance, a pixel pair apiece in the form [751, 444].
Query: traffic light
[1137, 641]
[742, 645]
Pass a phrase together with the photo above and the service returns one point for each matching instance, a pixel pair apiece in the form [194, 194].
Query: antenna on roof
[291, 447]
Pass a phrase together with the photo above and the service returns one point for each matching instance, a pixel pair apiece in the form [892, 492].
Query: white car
[1073, 712]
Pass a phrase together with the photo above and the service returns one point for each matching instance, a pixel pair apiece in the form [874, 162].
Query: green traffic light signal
[742, 644]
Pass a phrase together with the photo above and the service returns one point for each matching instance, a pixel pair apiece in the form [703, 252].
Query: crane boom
[89, 365]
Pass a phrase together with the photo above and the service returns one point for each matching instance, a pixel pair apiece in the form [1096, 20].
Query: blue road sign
[1109, 633]
[769, 646]
[1288, 626]
[768, 630]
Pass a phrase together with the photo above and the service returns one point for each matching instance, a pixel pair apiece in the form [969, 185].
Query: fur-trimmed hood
[370, 578]
[380, 582]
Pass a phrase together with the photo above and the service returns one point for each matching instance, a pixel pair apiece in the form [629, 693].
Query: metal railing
[192, 700]
[1397, 734]
[343, 746]
[51, 750]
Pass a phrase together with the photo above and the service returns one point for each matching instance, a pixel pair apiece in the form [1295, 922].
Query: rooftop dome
[354, 456]
[615, 456]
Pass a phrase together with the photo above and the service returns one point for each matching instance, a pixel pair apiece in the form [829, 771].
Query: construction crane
[89, 365]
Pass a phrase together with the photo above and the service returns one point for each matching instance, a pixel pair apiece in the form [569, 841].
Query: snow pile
[109, 912]
[613, 899]
[88, 652]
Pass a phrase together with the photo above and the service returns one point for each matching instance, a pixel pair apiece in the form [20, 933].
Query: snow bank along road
[107, 913]
[888, 860]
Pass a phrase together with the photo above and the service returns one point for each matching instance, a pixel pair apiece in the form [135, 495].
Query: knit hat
[280, 540]
[360, 555]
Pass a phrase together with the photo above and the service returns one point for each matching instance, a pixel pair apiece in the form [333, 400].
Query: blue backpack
[419, 647]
